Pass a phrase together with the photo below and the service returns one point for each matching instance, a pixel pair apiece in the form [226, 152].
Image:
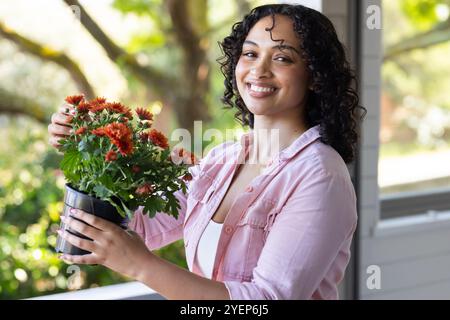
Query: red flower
[158, 139]
[144, 190]
[189, 158]
[111, 155]
[144, 114]
[179, 155]
[83, 107]
[98, 100]
[128, 113]
[144, 136]
[99, 132]
[117, 107]
[75, 100]
[81, 130]
[187, 177]
[120, 135]
[97, 105]
[96, 108]
[136, 169]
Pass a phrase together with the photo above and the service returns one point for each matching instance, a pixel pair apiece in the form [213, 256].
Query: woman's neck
[272, 135]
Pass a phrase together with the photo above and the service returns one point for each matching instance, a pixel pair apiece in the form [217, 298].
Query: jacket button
[249, 189]
[228, 229]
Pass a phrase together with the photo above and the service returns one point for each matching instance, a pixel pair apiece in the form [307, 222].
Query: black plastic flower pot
[80, 200]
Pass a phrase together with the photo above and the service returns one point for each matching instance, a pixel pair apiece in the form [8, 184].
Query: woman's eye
[249, 54]
[283, 59]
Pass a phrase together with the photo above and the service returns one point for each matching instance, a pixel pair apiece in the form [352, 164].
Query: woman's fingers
[81, 227]
[58, 130]
[84, 244]
[67, 109]
[61, 119]
[54, 141]
[60, 124]
[84, 259]
[94, 221]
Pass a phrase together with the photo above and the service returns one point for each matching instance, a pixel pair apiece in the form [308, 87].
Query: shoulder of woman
[322, 158]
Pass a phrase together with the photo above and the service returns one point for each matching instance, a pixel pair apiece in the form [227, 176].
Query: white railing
[123, 291]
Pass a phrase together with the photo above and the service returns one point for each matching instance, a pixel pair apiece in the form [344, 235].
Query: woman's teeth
[261, 89]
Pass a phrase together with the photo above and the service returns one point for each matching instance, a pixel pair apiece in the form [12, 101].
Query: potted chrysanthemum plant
[114, 162]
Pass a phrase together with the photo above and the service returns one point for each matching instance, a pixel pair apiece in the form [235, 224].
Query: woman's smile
[260, 90]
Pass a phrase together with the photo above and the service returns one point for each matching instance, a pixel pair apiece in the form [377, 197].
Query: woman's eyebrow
[279, 46]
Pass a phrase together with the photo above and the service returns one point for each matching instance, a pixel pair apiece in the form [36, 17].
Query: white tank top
[207, 247]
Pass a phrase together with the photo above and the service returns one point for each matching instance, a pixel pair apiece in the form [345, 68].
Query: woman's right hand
[60, 126]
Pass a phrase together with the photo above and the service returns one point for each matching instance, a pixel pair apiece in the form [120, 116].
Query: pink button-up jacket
[287, 236]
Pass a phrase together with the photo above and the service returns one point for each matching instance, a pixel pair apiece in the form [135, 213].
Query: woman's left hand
[120, 250]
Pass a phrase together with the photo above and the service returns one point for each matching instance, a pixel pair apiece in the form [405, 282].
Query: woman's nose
[260, 70]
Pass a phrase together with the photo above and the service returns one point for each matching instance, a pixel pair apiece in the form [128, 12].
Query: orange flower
[81, 130]
[189, 158]
[98, 100]
[144, 190]
[187, 177]
[144, 114]
[99, 132]
[75, 100]
[125, 146]
[97, 105]
[158, 139]
[111, 155]
[96, 108]
[144, 136]
[117, 107]
[179, 155]
[120, 135]
[83, 107]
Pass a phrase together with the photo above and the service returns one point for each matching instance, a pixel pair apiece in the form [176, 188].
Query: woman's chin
[258, 110]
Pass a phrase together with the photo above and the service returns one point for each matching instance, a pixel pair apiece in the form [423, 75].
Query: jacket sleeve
[315, 224]
[162, 229]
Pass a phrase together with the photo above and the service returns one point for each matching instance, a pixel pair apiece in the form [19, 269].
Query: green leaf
[83, 146]
[107, 181]
[70, 164]
[102, 192]
[153, 205]
[86, 155]
[172, 205]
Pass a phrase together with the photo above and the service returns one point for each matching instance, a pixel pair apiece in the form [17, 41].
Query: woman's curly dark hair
[332, 102]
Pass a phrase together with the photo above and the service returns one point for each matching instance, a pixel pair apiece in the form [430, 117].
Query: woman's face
[272, 80]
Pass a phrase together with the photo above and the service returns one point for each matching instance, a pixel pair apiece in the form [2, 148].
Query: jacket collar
[305, 139]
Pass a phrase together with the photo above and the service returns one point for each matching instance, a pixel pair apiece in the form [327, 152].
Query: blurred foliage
[31, 186]
[415, 83]
[424, 13]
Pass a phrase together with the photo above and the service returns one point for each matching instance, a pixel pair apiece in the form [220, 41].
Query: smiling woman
[272, 79]
[282, 228]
